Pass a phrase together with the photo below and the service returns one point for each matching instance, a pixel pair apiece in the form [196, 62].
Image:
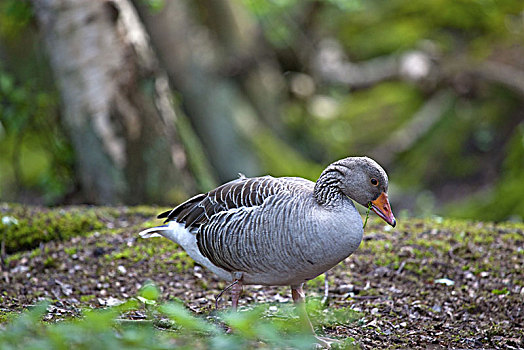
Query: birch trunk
[116, 102]
[217, 109]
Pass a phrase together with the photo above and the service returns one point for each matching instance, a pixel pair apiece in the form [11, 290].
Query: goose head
[363, 180]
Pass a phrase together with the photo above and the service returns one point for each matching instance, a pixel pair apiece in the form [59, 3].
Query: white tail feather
[153, 232]
[177, 233]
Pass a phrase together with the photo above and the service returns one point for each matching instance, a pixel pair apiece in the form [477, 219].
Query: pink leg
[236, 290]
[235, 293]
[299, 299]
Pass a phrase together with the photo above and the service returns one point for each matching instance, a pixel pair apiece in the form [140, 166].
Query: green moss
[371, 292]
[316, 282]
[87, 298]
[143, 210]
[385, 254]
[126, 253]
[7, 316]
[500, 291]
[331, 317]
[70, 250]
[49, 262]
[172, 256]
[35, 225]
[13, 257]
[430, 240]
[35, 252]
[417, 268]
[27, 227]
[179, 260]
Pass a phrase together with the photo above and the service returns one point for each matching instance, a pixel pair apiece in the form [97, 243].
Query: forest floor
[425, 284]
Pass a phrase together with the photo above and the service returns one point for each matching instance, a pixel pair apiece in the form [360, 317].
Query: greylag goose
[279, 231]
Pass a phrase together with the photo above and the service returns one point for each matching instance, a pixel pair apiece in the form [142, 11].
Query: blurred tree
[213, 101]
[116, 102]
[230, 84]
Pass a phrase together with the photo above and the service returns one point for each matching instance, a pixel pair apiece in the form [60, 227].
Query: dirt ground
[425, 284]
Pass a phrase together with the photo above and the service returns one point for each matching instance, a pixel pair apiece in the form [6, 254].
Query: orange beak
[382, 208]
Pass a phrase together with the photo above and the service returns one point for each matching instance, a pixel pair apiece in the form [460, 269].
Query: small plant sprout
[367, 215]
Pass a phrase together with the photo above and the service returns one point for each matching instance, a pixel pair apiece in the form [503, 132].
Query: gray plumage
[277, 231]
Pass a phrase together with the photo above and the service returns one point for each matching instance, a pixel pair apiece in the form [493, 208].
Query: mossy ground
[391, 293]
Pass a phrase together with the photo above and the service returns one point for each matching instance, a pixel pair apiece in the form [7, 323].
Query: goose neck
[328, 190]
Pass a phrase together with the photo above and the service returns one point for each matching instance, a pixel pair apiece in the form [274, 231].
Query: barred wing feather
[239, 193]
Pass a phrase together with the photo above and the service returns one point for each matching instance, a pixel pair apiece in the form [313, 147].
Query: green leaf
[500, 291]
[181, 316]
[149, 292]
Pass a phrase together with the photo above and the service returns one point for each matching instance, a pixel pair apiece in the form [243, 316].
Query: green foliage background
[468, 164]
[36, 157]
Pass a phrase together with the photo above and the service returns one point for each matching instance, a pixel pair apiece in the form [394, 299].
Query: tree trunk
[116, 102]
[247, 57]
[215, 105]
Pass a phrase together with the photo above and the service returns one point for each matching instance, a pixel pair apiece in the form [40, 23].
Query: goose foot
[324, 342]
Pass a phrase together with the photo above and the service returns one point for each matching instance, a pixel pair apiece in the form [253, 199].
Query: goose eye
[374, 182]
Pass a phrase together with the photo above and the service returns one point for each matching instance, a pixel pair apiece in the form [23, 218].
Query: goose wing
[240, 193]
